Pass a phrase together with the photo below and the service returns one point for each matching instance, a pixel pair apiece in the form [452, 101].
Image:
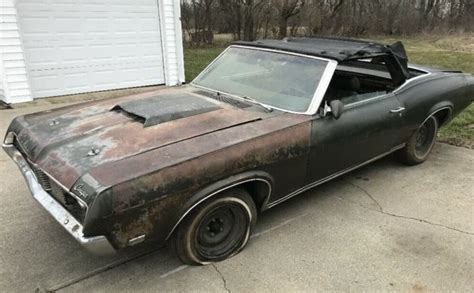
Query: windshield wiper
[269, 109]
[253, 101]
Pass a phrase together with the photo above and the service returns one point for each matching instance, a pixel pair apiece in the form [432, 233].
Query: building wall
[14, 85]
[170, 19]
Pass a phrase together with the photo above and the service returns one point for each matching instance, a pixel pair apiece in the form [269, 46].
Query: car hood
[69, 142]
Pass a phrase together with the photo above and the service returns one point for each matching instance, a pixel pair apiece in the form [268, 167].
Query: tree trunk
[282, 28]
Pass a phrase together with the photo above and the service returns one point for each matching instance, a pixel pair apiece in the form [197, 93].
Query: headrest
[347, 83]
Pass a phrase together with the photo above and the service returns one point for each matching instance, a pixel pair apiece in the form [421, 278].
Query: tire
[215, 230]
[420, 144]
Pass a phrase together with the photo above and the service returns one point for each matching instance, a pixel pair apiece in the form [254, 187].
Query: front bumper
[97, 244]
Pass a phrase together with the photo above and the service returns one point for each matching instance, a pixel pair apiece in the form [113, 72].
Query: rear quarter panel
[432, 92]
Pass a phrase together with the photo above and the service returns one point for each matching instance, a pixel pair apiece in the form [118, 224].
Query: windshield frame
[318, 95]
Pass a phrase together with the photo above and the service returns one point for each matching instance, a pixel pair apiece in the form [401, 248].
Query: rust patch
[62, 148]
[136, 226]
[286, 149]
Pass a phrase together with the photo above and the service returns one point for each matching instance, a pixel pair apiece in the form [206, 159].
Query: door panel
[364, 131]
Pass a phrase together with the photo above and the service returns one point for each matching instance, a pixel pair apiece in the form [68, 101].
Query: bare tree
[252, 19]
[286, 10]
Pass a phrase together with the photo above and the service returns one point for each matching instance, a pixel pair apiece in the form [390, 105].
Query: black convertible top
[339, 49]
[342, 50]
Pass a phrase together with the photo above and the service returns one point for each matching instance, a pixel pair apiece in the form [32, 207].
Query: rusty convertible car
[267, 120]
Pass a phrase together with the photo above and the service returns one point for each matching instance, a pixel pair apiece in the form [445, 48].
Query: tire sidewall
[432, 143]
[196, 218]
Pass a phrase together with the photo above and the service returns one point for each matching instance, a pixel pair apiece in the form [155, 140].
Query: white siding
[14, 85]
[170, 19]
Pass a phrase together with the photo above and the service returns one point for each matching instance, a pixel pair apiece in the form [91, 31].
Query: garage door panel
[74, 47]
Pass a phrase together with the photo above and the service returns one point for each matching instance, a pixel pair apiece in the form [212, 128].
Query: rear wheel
[420, 144]
[217, 229]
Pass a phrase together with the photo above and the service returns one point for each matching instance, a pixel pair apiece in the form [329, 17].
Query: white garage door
[81, 46]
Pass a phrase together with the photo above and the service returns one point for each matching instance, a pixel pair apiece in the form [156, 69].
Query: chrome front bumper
[97, 244]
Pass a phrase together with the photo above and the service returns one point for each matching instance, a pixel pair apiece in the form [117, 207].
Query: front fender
[218, 187]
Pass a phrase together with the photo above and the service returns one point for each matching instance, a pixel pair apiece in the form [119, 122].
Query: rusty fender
[153, 204]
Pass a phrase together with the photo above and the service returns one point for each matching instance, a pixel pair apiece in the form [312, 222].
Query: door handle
[398, 110]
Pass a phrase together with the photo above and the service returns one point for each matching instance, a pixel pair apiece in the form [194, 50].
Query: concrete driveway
[384, 227]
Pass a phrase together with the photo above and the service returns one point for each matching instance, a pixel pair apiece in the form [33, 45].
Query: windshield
[281, 80]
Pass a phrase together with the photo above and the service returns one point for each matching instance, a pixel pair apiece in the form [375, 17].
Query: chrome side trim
[136, 240]
[439, 110]
[97, 244]
[317, 96]
[380, 97]
[330, 177]
[217, 192]
[408, 81]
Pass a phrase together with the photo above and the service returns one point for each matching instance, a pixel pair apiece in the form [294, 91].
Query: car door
[365, 130]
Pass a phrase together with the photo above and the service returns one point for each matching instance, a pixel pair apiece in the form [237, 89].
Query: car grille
[43, 179]
[55, 190]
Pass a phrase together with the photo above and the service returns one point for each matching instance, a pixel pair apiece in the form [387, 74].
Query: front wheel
[420, 144]
[217, 229]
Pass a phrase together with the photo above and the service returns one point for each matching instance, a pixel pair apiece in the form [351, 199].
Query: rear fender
[441, 106]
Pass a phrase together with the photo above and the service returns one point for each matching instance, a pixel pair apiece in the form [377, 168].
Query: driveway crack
[381, 210]
[222, 277]
[368, 194]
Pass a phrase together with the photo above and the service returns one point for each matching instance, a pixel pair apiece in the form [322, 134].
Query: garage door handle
[398, 110]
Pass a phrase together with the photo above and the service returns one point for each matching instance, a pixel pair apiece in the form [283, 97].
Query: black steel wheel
[216, 229]
[420, 144]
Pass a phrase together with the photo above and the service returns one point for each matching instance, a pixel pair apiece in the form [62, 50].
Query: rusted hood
[68, 143]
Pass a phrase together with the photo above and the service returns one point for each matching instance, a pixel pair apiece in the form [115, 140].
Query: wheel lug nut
[212, 234]
[221, 229]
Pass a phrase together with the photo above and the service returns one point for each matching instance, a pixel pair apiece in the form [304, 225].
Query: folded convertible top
[339, 49]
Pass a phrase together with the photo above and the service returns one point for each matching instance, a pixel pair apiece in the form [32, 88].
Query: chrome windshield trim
[97, 244]
[318, 94]
[322, 87]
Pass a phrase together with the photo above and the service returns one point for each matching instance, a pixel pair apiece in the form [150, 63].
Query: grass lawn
[456, 52]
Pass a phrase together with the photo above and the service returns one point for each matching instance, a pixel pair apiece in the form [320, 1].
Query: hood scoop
[164, 108]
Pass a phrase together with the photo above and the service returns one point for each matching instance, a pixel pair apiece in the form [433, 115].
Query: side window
[358, 81]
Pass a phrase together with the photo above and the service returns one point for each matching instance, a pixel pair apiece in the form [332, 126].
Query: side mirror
[337, 107]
